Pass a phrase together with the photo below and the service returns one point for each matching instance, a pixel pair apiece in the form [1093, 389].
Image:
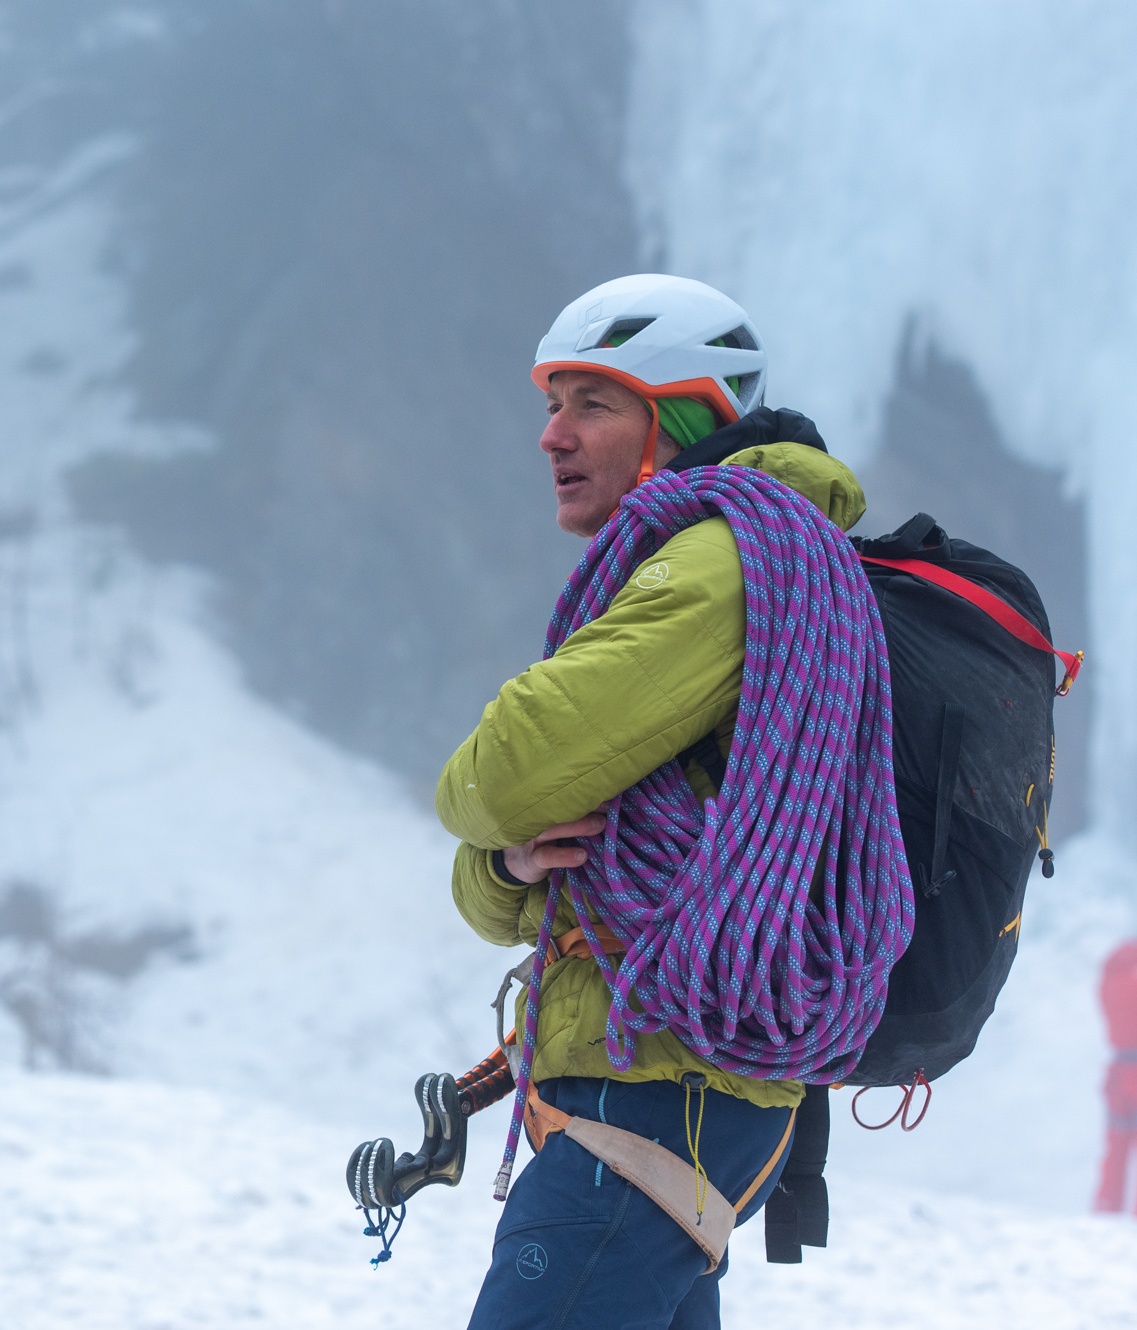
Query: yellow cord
[1043, 832]
[701, 1179]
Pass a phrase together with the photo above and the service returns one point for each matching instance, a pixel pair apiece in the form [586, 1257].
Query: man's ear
[666, 449]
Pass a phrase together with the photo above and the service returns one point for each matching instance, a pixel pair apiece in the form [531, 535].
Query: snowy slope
[190, 883]
[317, 942]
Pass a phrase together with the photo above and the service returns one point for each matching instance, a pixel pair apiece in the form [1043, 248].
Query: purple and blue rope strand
[724, 945]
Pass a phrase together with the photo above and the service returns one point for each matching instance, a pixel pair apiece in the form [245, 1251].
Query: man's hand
[532, 861]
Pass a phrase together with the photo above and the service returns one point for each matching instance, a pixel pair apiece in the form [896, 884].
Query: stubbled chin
[575, 517]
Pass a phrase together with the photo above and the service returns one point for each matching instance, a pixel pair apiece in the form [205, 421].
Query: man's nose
[559, 435]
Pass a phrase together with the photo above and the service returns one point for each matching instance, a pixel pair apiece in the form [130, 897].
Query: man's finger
[559, 856]
[590, 825]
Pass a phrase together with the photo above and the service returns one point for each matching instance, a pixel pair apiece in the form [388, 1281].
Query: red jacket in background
[1119, 996]
[1119, 1001]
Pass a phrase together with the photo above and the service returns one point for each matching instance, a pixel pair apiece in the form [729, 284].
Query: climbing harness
[752, 981]
[696, 936]
[680, 1190]
[379, 1181]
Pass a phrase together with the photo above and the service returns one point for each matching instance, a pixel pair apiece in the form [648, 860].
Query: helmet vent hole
[748, 387]
[611, 332]
[739, 339]
[625, 329]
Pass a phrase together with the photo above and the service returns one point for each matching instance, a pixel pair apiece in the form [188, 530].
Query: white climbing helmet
[674, 324]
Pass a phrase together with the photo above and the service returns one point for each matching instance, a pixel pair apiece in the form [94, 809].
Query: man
[642, 374]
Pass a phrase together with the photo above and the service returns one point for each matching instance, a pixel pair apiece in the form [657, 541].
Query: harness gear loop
[495, 1076]
[522, 973]
[574, 943]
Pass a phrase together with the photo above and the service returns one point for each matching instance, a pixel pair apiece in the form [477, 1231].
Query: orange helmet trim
[702, 389]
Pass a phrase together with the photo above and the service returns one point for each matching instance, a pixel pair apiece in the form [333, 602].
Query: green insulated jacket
[658, 670]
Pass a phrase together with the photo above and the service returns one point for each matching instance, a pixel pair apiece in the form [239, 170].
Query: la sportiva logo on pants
[532, 1261]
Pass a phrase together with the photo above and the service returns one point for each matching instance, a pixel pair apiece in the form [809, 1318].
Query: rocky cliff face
[338, 230]
[942, 452]
[344, 229]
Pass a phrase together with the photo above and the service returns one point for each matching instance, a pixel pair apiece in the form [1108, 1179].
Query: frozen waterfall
[841, 167]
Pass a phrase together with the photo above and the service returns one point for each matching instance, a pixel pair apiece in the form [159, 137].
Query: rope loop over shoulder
[722, 942]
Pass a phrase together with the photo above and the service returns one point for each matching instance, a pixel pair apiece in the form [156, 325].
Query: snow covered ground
[137, 1206]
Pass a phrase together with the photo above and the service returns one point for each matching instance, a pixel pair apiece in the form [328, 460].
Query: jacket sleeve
[659, 669]
[494, 909]
[498, 911]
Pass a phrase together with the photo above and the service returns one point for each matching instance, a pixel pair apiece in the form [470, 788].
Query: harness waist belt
[574, 943]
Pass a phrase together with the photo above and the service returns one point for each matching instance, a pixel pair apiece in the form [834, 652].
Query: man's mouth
[568, 480]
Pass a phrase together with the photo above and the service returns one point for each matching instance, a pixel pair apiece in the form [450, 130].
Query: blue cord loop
[377, 1228]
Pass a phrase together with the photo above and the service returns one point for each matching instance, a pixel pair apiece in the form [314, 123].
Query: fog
[274, 527]
[339, 231]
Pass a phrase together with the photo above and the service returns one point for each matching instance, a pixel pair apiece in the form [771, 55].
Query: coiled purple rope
[724, 945]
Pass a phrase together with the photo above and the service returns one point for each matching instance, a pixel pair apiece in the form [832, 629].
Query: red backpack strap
[991, 605]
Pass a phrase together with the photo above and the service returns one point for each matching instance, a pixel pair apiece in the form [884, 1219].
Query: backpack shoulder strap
[705, 751]
[1005, 615]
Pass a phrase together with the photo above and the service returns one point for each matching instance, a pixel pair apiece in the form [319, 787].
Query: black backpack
[973, 749]
[973, 691]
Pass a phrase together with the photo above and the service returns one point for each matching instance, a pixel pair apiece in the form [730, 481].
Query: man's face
[595, 440]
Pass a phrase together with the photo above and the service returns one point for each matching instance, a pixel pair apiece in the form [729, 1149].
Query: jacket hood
[786, 445]
[761, 426]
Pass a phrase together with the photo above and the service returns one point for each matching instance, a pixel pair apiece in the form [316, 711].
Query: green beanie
[685, 419]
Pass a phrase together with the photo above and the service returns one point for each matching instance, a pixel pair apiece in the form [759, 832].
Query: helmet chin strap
[647, 458]
[647, 461]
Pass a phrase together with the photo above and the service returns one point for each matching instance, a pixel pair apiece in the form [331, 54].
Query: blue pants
[578, 1247]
